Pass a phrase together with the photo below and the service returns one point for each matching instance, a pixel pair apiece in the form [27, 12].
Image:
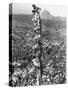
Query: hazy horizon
[22, 8]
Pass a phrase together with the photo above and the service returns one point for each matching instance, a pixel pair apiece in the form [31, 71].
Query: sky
[22, 8]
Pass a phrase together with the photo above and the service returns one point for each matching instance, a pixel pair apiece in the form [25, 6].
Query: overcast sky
[20, 8]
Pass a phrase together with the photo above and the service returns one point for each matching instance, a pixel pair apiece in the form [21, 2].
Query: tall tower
[38, 37]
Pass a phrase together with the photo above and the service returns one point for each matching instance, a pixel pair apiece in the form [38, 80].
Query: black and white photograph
[37, 44]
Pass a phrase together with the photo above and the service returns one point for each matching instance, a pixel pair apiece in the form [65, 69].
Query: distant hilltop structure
[46, 15]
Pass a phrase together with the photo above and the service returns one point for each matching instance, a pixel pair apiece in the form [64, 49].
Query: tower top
[35, 9]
